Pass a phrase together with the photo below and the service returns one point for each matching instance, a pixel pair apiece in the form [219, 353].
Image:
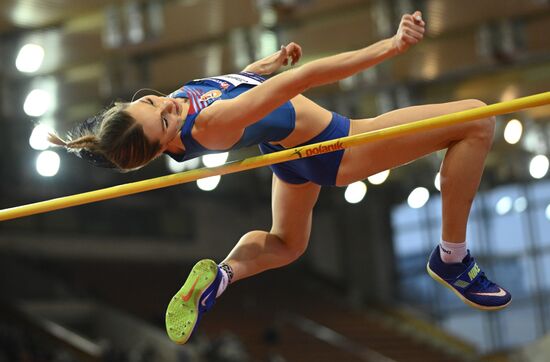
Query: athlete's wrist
[391, 46]
[256, 68]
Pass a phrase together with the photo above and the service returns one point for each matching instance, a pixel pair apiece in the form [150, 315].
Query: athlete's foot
[196, 297]
[468, 282]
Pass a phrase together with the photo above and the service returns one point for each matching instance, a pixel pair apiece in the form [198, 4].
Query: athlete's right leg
[257, 250]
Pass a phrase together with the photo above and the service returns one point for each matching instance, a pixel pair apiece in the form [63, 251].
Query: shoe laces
[484, 281]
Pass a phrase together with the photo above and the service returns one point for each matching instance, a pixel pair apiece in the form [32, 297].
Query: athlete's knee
[298, 248]
[485, 130]
[482, 129]
[472, 103]
[294, 246]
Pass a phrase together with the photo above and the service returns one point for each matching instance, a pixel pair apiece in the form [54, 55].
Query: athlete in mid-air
[238, 110]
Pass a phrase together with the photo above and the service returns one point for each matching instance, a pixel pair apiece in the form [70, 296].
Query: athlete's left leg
[467, 146]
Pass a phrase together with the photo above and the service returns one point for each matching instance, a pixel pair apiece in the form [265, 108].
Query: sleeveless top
[201, 93]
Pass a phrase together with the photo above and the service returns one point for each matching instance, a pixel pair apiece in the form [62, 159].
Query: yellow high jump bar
[277, 157]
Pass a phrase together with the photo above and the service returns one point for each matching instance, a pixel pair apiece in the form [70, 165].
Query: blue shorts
[321, 169]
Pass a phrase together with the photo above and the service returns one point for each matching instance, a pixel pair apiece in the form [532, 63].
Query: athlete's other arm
[270, 64]
[235, 114]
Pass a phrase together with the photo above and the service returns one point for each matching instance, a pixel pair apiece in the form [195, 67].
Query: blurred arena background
[90, 283]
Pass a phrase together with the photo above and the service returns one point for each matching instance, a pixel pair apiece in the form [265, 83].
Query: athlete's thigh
[292, 207]
[362, 161]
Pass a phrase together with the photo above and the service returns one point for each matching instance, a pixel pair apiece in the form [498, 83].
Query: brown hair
[111, 139]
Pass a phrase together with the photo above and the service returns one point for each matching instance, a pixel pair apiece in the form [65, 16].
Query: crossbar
[290, 154]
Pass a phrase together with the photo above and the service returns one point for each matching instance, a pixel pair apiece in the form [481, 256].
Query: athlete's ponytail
[111, 139]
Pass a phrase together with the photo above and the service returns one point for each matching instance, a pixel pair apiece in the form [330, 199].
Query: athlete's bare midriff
[311, 119]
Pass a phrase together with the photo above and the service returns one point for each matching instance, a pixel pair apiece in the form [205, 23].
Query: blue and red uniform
[276, 126]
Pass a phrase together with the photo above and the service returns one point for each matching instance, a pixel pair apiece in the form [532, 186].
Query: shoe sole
[440, 280]
[182, 314]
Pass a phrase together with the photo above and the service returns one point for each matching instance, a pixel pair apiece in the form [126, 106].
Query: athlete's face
[161, 117]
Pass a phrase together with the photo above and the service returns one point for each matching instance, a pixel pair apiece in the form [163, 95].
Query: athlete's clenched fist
[411, 31]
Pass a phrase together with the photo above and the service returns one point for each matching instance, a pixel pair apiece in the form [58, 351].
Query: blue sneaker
[196, 297]
[468, 282]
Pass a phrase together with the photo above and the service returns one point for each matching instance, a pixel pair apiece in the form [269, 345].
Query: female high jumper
[238, 110]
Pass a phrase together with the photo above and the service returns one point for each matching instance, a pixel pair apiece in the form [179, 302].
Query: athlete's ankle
[452, 252]
[227, 276]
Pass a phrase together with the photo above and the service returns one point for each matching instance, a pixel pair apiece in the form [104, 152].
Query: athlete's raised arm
[253, 105]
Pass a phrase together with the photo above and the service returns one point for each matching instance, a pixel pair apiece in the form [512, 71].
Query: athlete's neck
[176, 145]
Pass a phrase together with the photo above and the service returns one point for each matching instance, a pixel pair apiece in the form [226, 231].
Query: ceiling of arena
[93, 57]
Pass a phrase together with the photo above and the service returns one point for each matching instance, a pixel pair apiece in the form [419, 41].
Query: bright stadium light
[520, 204]
[437, 181]
[30, 58]
[173, 165]
[39, 137]
[208, 183]
[503, 205]
[418, 197]
[538, 167]
[379, 178]
[37, 103]
[192, 163]
[513, 131]
[355, 192]
[47, 163]
[215, 159]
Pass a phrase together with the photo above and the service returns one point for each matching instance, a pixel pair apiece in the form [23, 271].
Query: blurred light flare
[520, 204]
[513, 131]
[39, 137]
[437, 181]
[547, 212]
[355, 192]
[379, 178]
[538, 167]
[30, 58]
[418, 197]
[192, 163]
[37, 103]
[47, 163]
[503, 205]
[208, 183]
[175, 166]
[215, 159]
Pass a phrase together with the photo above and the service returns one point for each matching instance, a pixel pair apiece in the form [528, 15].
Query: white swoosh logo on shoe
[500, 293]
[205, 298]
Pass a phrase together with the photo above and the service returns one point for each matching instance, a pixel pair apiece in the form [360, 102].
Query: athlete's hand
[289, 53]
[410, 32]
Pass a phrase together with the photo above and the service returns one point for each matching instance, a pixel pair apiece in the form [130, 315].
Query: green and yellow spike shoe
[196, 297]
